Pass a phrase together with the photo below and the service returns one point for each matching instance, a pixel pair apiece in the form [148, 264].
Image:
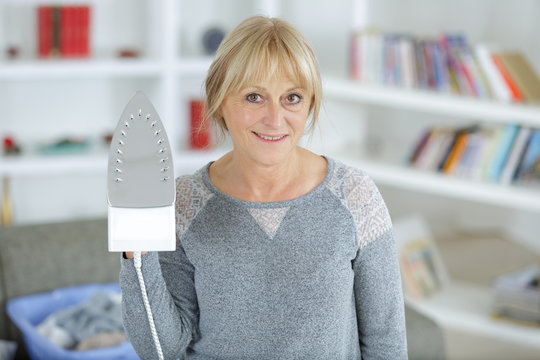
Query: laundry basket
[29, 311]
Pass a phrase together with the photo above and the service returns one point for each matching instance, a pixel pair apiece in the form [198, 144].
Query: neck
[259, 182]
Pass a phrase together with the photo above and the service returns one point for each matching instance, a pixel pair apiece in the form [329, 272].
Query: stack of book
[447, 64]
[501, 154]
[63, 31]
[517, 296]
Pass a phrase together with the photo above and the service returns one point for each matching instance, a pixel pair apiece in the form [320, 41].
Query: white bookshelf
[461, 307]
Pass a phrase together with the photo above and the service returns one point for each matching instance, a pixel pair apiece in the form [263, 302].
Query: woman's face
[266, 120]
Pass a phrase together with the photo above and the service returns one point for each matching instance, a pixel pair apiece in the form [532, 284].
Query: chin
[270, 159]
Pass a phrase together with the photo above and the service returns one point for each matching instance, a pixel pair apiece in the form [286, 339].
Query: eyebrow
[260, 88]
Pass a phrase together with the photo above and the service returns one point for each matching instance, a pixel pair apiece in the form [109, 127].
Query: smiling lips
[269, 138]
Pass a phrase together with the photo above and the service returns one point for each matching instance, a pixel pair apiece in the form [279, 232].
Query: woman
[281, 253]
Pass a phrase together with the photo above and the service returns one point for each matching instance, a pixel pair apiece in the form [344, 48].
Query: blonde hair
[257, 49]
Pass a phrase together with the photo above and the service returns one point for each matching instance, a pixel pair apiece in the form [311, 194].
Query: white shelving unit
[459, 306]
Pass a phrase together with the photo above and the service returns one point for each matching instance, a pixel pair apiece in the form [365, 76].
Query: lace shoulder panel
[191, 196]
[359, 194]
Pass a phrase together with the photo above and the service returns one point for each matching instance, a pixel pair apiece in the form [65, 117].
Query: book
[522, 74]
[469, 159]
[408, 64]
[44, 31]
[424, 148]
[200, 134]
[440, 69]
[355, 55]
[515, 156]
[421, 75]
[517, 295]
[422, 270]
[489, 152]
[529, 169]
[499, 89]
[456, 153]
[420, 145]
[488, 138]
[516, 94]
[502, 151]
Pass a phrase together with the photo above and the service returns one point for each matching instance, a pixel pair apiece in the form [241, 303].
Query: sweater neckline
[269, 204]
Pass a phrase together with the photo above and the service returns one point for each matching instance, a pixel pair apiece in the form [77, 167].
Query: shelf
[466, 307]
[79, 68]
[426, 182]
[23, 166]
[432, 102]
[85, 68]
[193, 66]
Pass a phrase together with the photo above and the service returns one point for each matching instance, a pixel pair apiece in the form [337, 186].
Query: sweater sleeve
[377, 281]
[169, 283]
[379, 300]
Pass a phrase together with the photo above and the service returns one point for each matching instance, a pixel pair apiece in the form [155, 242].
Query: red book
[200, 135]
[66, 31]
[44, 31]
[78, 31]
[83, 31]
[516, 93]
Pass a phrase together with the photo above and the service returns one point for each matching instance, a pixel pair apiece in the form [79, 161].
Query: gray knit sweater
[316, 277]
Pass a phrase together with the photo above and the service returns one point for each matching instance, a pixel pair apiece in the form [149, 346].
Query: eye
[253, 98]
[293, 99]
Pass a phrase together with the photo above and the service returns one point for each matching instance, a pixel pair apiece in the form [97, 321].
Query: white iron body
[140, 182]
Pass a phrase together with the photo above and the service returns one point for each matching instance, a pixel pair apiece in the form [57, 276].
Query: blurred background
[438, 101]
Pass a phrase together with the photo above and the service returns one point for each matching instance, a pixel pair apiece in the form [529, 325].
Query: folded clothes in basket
[96, 323]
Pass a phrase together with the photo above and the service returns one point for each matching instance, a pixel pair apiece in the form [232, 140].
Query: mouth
[270, 138]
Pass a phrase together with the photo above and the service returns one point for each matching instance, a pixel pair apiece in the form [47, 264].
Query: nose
[274, 116]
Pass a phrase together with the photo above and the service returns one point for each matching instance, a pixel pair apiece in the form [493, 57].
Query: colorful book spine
[45, 34]
[457, 152]
[514, 91]
[529, 168]
[502, 152]
[494, 78]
